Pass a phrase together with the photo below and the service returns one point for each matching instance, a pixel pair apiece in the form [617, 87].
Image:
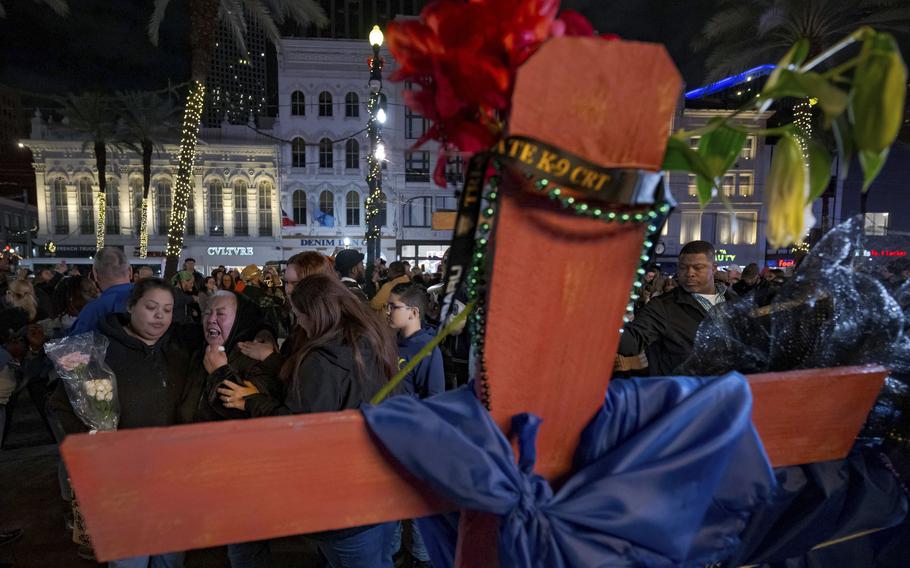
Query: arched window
[298, 207]
[325, 103]
[163, 198]
[241, 219]
[298, 104]
[383, 212]
[216, 207]
[326, 216]
[265, 208]
[351, 105]
[352, 154]
[61, 214]
[326, 159]
[352, 208]
[86, 212]
[112, 207]
[298, 153]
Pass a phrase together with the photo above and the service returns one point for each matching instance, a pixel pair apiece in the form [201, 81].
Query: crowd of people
[318, 336]
[231, 345]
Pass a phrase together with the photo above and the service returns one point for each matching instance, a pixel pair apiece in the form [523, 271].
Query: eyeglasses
[390, 307]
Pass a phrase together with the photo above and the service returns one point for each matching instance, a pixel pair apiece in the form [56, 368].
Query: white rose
[108, 386]
[90, 388]
[109, 396]
[99, 396]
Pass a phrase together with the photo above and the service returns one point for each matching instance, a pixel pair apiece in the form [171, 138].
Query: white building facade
[234, 217]
[322, 119]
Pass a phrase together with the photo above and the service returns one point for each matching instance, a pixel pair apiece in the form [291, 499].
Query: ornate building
[322, 120]
[234, 216]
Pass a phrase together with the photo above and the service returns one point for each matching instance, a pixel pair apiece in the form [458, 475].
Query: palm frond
[156, 19]
[60, 7]
[145, 117]
[230, 13]
[303, 12]
[261, 15]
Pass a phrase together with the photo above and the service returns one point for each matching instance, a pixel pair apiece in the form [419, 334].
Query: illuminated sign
[332, 242]
[230, 251]
[721, 255]
[786, 263]
[884, 252]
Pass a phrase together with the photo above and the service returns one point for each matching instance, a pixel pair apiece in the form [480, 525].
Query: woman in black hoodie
[345, 355]
[150, 362]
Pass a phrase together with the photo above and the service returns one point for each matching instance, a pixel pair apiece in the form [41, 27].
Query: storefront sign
[230, 251]
[721, 255]
[885, 252]
[344, 242]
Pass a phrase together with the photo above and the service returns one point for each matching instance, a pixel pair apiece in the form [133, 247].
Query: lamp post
[376, 110]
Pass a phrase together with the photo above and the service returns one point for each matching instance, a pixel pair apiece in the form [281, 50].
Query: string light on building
[802, 118]
[191, 118]
[377, 116]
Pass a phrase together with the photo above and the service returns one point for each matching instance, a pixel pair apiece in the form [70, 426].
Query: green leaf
[846, 147]
[819, 170]
[706, 189]
[795, 56]
[879, 86]
[831, 99]
[872, 163]
[679, 157]
[720, 148]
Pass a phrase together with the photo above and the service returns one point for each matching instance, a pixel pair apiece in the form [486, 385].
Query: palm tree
[742, 35]
[92, 116]
[204, 16]
[60, 7]
[145, 121]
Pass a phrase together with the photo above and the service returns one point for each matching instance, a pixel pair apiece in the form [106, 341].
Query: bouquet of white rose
[90, 384]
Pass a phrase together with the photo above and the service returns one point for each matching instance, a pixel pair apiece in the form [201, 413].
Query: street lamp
[377, 116]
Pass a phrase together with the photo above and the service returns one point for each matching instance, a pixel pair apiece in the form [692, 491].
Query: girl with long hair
[346, 354]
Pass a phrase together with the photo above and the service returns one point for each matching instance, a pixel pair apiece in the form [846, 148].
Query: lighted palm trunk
[550, 342]
[192, 116]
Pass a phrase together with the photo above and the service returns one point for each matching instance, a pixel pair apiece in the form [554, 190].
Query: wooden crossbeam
[164, 489]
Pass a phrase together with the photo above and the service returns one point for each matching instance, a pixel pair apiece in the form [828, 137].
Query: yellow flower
[789, 216]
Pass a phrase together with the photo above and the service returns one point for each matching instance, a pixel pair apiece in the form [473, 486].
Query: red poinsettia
[462, 58]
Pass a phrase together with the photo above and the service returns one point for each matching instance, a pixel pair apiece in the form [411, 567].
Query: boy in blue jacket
[405, 310]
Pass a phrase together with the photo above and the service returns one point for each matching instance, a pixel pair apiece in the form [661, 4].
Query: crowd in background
[318, 336]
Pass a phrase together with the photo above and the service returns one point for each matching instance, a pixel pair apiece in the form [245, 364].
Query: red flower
[463, 56]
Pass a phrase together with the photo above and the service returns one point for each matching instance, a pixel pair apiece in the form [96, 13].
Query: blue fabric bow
[667, 474]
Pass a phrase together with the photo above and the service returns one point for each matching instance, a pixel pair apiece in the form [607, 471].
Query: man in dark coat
[665, 328]
[349, 265]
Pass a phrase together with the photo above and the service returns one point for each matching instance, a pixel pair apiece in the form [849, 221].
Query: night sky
[103, 44]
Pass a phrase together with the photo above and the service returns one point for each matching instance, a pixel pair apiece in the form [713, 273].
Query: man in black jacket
[665, 328]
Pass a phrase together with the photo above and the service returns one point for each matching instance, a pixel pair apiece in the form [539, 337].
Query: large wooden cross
[551, 339]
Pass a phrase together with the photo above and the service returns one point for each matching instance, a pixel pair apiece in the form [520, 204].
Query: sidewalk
[30, 499]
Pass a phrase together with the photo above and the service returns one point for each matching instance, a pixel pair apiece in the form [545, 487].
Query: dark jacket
[151, 380]
[326, 380]
[203, 393]
[356, 289]
[665, 329]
